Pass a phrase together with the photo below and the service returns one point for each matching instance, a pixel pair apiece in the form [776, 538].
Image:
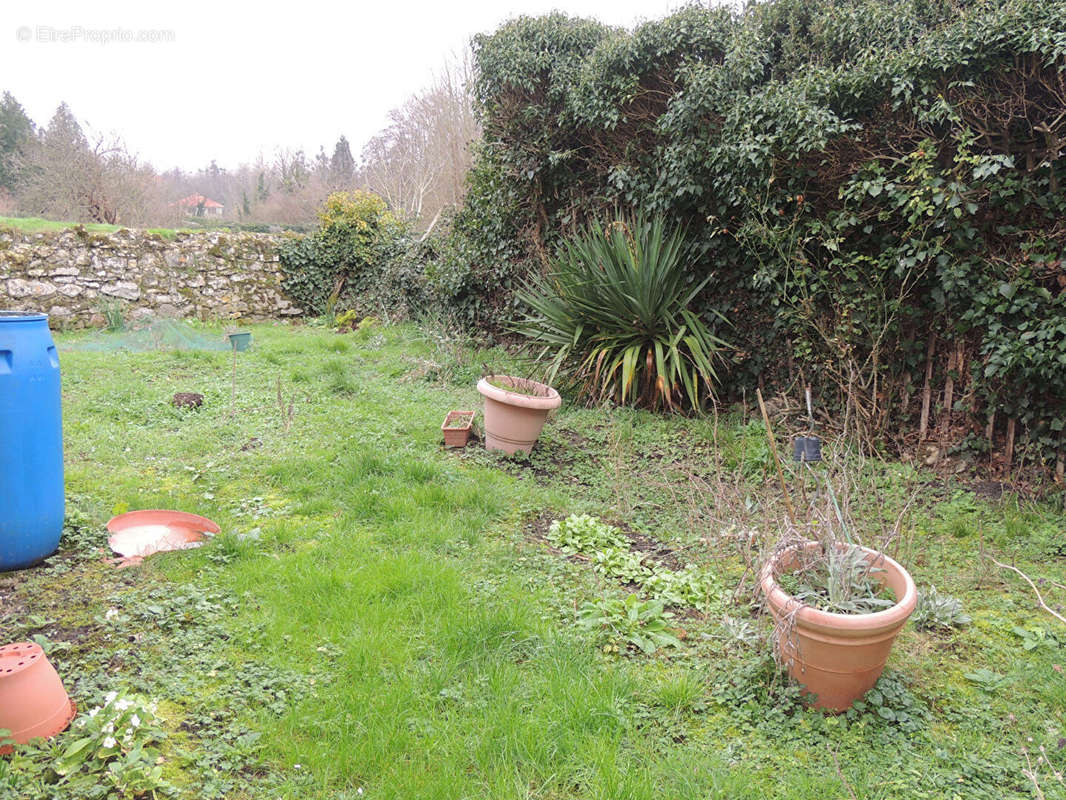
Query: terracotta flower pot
[837, 657]
[456, 428]
[514, 419]
[33, 702]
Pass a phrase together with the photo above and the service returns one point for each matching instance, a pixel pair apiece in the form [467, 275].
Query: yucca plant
[613, 315]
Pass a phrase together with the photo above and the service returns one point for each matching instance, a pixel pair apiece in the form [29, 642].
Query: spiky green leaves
[613, 315]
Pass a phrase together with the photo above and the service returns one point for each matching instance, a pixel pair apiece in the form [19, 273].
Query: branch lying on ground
[1039, 597]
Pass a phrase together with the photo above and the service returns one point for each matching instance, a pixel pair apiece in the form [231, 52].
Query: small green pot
[240, 341]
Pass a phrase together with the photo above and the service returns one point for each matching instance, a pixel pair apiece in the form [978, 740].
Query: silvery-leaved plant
[840, 580]
[935, 610]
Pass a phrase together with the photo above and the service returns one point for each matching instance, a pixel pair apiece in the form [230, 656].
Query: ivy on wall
[361, 257]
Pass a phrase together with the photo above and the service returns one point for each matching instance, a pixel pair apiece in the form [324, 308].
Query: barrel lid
[22, 316]
[18, 656]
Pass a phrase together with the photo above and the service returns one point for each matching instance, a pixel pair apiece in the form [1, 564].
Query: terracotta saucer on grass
[137, 534]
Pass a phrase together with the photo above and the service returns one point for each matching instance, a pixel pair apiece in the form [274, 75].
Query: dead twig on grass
[287, 412]
[840, 773]
[1039, 597]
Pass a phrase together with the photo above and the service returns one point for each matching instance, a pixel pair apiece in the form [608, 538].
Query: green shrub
[362, 257]
[475, 260]
[613, 314]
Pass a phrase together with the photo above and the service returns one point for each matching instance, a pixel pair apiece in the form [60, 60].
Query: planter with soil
[456, 428]
[515, 411]
[837, 657]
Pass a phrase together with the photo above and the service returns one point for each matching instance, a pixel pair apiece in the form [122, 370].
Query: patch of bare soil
[651, 548]
[536, 528]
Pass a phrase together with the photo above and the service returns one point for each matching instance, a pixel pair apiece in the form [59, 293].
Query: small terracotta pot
[33, 702]
[514, 420]
[837, 657]
[456, 428]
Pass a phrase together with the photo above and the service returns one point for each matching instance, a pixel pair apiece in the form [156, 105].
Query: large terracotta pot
[514, 420]
[837, 657]
[33, 702]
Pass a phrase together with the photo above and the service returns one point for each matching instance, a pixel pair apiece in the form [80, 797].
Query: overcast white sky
[240, 78]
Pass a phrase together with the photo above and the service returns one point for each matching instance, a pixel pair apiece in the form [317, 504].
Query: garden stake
[777, 461]
[927, 396]
[233, 384]
[286, 413]
[803, 493]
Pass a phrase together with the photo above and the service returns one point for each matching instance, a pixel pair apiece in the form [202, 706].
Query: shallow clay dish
[141, 533]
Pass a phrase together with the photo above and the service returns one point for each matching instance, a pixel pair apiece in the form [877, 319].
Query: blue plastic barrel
[31, 441]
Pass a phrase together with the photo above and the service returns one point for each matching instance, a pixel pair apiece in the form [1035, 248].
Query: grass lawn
[39, 225]
[383, 618]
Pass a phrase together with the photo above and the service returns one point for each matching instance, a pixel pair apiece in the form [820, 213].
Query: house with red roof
[196, 205]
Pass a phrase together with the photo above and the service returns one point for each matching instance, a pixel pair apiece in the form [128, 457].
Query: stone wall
[73, 274]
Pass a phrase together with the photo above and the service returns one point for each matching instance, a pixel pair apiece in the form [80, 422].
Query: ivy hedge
[361, 257]
[875, 188]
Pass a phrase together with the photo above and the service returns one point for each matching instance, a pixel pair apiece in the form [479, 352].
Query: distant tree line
[417, 164]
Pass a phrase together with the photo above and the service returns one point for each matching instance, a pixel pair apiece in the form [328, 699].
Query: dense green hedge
[361, 257]
[875, 187]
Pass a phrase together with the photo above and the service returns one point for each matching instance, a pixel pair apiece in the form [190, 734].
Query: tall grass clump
[613, 315]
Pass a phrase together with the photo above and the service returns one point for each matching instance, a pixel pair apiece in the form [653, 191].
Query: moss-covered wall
[73, 274]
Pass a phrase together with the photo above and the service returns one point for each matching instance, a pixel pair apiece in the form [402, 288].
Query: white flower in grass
[110, 741]
[109, 727]
[135, 721]
[94, 712]
[111, 613]
[109, 697]
[123, 704]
